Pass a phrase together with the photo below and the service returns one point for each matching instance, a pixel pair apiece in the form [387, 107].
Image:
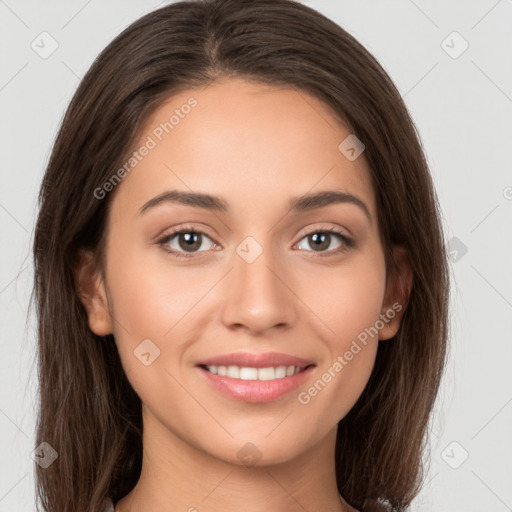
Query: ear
[398, 291]
[90, 288]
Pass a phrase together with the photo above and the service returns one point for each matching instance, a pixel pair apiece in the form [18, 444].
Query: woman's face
[254, 272]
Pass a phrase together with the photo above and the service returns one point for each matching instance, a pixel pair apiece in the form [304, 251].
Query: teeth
[266, 374]
[248, 373]
[232, 371]
[245, 373]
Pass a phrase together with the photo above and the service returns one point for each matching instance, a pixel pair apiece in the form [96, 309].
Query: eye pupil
[319, 240]
[191, 241]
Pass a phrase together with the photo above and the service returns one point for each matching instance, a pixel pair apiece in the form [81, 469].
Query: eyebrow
[296, 205]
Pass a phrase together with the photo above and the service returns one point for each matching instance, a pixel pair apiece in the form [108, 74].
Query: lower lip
[256, 391]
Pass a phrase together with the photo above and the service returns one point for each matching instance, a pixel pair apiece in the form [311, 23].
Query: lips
[246, 388]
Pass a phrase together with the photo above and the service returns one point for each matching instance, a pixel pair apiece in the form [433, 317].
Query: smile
[255, 385]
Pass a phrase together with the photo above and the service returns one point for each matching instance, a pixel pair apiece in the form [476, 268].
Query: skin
[256, 147]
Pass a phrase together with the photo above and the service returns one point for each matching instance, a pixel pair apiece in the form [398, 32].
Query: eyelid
[324, 227]
[183, 228]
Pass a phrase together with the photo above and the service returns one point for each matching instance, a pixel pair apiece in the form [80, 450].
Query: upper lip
[253, 360]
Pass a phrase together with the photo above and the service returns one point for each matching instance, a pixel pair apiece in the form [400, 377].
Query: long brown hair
[88, 411]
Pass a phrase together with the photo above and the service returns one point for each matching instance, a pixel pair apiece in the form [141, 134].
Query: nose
[257, 296]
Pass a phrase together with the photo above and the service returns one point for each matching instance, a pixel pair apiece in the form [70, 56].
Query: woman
[240, 273]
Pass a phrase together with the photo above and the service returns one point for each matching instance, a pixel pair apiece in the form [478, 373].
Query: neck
[177, 476]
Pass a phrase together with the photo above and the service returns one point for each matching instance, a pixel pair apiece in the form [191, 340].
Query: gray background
[461, 104]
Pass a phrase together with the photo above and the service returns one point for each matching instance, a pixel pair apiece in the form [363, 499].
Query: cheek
[349, 299]
[338, 385]
[153, 300]
[149, 304]
[149, 297]
[349, 305]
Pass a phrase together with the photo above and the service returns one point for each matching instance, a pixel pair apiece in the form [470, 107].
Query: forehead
[245, 141]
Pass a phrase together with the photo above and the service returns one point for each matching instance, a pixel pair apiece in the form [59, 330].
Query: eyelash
[347, 243]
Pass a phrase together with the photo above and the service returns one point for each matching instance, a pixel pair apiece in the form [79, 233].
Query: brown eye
[321, 240]
[184, 242]
[189, 241]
